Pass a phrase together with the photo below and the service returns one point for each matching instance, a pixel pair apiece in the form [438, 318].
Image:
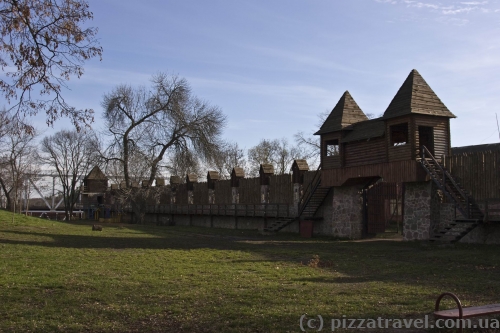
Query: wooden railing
[251, 210]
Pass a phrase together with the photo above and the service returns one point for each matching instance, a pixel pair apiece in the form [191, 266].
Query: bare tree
[72, 155]
[180, 162]
[18, 155]
[230, 156]
[159, 122]
[260, 154]
[42, 44]
[138, 164]
[4, 123]
[277, 152]
[310, 145]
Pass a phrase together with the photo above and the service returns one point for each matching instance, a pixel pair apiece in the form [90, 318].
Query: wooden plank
[474, 311]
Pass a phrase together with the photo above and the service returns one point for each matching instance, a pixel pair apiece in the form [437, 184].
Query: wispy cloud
[259, 88]
[416, 4]
[457, 8]
[300, 60]
[474, 3]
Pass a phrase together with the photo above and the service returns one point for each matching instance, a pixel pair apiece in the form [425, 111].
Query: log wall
[181, 195]
[249, 190]
[440, 126]
[365, 152]
[200, 193]
[281, 189]
[223, 192]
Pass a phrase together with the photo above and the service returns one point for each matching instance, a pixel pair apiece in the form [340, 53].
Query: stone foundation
[347, 212]
[324, 226]
[447, 215]
[418, 209]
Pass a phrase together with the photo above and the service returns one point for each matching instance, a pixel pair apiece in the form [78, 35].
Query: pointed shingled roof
[345, 113]
[364, 130]
[96, 173]
[415, 96]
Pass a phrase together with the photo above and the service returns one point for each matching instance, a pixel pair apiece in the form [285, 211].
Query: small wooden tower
[415, 117]
[95, 182]
[266, 170]
[299, 167]
[95, 185]
[212, 178]
[345, 113]
[175, 181]
[237, 174]
[191, 179]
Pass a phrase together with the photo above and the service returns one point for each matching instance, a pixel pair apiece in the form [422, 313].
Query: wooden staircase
[454, 231]
[279, 224]
[453, 190]
[312, 198]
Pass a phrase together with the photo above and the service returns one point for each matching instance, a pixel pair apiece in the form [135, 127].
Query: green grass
[63, 277]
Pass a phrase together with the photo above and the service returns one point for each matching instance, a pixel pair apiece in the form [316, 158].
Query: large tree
[72, 155]
[42, 44]
[158, 122]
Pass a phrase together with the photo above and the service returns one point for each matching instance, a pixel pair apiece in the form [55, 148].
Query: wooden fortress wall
[479, 173]
[280, 191]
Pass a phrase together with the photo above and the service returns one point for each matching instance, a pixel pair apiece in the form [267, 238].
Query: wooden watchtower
[94, 188]
[357, 149]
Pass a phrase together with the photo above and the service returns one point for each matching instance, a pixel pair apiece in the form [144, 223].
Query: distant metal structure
[52, 206]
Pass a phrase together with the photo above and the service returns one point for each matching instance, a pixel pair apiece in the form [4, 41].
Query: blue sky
[273, 66]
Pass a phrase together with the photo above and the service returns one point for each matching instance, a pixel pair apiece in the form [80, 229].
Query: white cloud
[474, 3]
[458, 10]
[421, 4]
[460, 7]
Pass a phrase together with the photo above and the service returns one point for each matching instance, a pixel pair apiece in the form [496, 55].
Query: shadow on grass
[173, 239]
[339, 279]
[401, 262]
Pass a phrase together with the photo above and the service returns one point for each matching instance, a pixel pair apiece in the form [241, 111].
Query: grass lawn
[63, 277]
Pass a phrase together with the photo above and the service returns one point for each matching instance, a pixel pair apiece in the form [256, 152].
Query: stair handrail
[446, 174]
[425, 152]
[308, 193]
